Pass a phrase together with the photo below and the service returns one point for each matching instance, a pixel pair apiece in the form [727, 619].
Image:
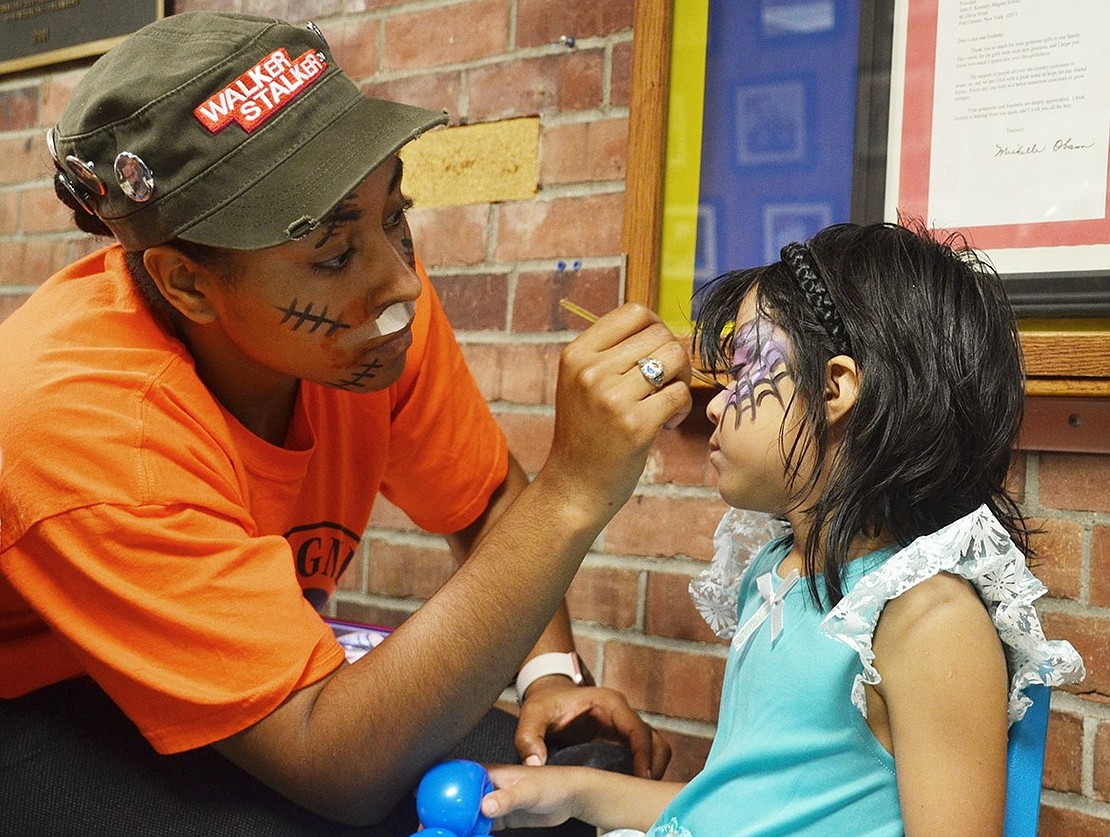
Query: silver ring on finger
[652, 370]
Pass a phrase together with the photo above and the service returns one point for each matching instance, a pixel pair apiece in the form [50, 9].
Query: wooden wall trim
[641, 238]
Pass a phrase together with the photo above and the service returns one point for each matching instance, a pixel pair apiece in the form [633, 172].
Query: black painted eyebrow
[345, 211]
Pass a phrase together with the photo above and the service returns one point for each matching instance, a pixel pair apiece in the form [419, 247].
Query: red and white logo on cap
[261, 91]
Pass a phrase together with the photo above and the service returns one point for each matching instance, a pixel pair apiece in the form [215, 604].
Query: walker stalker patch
[261, 91]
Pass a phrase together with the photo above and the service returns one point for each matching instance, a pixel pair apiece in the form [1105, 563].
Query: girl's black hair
[941, 391]
[89, 223]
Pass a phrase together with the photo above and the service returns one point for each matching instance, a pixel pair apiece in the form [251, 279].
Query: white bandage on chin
[394, 318]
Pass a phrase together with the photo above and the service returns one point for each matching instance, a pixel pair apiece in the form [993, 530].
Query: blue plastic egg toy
[449, 797]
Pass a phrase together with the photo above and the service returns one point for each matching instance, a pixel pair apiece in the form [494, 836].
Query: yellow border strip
[683, 162]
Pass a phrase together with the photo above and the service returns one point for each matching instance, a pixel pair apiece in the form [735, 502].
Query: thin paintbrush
[592, 318]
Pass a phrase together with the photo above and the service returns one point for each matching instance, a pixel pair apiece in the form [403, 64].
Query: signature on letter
[1070, 144]
[1017, 149]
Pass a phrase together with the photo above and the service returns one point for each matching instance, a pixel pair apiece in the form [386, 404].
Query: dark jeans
[71, 763]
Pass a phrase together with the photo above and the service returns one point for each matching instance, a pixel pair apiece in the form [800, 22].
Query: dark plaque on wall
[38, 32]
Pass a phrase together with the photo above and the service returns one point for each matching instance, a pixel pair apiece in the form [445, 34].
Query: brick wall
[500, 268]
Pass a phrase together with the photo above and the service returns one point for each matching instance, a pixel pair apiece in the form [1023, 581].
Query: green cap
[222, 129]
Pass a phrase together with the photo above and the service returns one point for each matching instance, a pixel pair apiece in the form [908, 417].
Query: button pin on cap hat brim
[86, 174]
[52, 147]
[315, 30]
[134, 177]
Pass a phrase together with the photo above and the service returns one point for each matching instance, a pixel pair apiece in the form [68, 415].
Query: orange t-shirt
[151, 541]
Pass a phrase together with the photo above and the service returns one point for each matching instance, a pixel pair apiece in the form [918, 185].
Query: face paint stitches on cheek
[358, 377]
[759, 364]
[305, 315]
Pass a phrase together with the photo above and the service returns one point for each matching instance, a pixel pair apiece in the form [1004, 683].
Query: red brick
[354, 6]
[1102, 762]
[604, 595]
[370, 614]
[589, 650]
[31, 262]
[1061, 822]
[434, 91]
[567, 229]
[529, 373]
[461, 32]
[1100, 566]
[620, 75]
[688, 754]
[9, 212]
[567, 81]
[1078, 482]
[19, 108]
[1059, 557]
[354, 576]
[180, 6]
[355, 46]
[681, 455]
[670, 612]
[388, 516]
[295, 11]
[665, 526]
[408, 571]
[1015, 477]
[1088, 634]
[56, 93]
[1063, 758]
[665, 682]
[483, 361]
[529, 436]
[9, 303]
[536, 303]
[450, 235]
[580, 80]
[545, 21]
[24, 159]
[582, 152]
[85, 245]
[44, 213]
[521, 374]
[474, 302]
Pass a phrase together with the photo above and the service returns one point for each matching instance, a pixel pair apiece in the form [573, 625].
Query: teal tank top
[792, 755]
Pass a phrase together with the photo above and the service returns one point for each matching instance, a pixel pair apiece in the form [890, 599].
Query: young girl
[883, 637]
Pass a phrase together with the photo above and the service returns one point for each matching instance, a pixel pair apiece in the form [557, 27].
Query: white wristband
[565, 663]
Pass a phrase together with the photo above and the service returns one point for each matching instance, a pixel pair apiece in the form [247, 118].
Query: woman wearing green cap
[195, 424]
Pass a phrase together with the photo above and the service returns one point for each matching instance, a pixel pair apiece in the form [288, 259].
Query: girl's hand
[538, 797]
[587, 713]
[531, 797]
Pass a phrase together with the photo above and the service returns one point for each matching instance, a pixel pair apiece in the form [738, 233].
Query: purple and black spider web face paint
[759, 364]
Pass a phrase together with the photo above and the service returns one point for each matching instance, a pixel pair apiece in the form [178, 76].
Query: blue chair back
[1025, 765]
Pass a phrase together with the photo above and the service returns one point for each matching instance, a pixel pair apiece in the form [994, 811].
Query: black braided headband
[797, 258]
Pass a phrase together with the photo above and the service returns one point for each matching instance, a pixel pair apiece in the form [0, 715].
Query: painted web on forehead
[759, 363]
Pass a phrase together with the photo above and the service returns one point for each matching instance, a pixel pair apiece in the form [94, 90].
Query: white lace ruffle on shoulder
[978, 548]
[739, 536]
